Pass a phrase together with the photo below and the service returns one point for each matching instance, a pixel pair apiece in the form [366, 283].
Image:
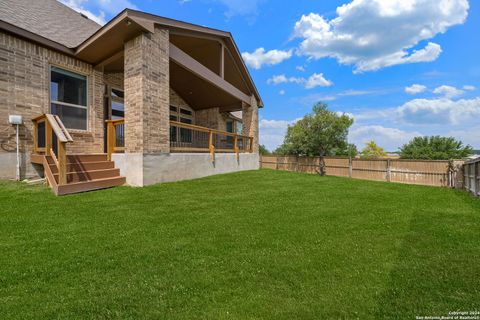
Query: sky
[400, 68]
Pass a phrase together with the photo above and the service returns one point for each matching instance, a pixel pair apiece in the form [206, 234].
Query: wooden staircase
[70, 173]
[84, 172]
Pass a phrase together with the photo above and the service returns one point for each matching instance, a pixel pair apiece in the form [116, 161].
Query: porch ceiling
[196, 91]
[111, 41]
[199, 93]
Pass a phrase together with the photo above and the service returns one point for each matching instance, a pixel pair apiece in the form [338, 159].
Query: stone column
[147, 96]
[250, 121]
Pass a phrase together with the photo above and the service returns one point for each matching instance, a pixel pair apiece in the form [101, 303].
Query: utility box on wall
[15, 119]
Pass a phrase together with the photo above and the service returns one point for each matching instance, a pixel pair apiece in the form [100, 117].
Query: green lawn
[252, 245]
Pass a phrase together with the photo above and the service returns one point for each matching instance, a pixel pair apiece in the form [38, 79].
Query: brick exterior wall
[114, 79]
[25, 90]
[147, 96]
[250, 122]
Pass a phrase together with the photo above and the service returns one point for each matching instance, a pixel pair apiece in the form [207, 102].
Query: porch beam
[231, 108]
[189, 63]
[222, 61]
[102, 64]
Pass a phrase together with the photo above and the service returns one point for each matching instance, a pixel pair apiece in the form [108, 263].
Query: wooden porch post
[211, 147]
[62, 162]
[110, 139]
[48, 136]
[235, 147]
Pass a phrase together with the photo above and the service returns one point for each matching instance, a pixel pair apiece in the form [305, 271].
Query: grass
[252, 245]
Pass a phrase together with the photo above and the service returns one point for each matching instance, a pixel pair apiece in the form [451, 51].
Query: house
[143, 99]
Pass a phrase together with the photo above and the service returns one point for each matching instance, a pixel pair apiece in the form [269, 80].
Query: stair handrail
[55, 124]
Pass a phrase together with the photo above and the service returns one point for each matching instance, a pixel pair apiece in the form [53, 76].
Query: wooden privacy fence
[471, 176]
[422, 172]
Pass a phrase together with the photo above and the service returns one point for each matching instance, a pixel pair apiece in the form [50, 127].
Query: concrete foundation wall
[159, 168]
[8, 166]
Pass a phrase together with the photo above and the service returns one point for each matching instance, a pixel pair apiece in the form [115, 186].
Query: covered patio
[174, 89]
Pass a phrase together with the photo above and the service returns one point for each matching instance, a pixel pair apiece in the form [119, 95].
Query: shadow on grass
[437, 267]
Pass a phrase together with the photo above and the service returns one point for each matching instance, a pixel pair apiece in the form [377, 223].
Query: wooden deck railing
[115, 136]
[191, 138]
[185, 138]
[50, 138]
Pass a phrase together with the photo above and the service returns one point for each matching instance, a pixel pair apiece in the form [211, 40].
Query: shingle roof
[49, 19]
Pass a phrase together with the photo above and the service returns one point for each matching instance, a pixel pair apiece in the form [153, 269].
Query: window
[239, 127]
[229, 126]
[183, 115]
[68, 98]
[118, 106]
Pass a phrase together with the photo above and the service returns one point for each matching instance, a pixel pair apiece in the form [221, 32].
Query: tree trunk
[323, 169]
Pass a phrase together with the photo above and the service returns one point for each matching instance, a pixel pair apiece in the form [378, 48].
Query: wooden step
[85, 166]
[82, 158]
[90, 185]
[85, 172]
[79, 176]
[87, 157]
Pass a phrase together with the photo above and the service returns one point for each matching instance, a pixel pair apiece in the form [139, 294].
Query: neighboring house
[164, 100]
[474, 155]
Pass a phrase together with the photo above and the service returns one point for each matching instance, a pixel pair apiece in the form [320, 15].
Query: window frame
[50, 101]
[179, 115]
[108, 94]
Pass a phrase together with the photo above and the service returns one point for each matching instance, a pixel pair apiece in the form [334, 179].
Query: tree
[435, 148]
[372, 151]
[349, 150]
[263, 150]
[319, 133]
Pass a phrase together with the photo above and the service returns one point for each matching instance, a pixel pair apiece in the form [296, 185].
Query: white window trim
[87, 79]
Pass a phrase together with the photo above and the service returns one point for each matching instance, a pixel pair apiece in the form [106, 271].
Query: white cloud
[111, 7]
[260, 57]
[300, 68]
[114, 6]
[388, 138]
[469, 88]
[441, 111]
[281, 92]
[352, 92]
[448, 91]
[78, 6]
[278, 79]
[361, 33]
[315, 80]
[272, 132]
[241, 7]
[415, 88]
[470, 136]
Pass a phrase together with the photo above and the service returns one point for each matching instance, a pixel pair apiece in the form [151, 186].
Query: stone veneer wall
[147, 96]
[250, 122]
[177, 101]
[210, 118]
[24, 90]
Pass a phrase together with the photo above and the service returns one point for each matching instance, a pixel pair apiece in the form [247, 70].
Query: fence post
[475, 180]
[276, 162]
[350, 167]
[296, 167]
[389, 171]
